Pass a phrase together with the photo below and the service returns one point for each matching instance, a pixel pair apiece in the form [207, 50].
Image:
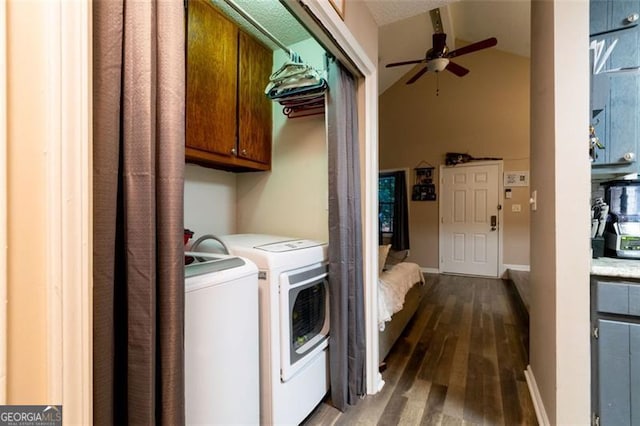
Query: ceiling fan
[437, 58]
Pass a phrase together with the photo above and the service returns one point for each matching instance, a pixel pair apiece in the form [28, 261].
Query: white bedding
[393, 286]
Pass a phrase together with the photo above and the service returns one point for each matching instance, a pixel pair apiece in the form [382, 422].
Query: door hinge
[595, 420]
[499, 207]
[595, 333]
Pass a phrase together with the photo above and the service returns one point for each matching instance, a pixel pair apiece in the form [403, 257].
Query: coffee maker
[622, 233]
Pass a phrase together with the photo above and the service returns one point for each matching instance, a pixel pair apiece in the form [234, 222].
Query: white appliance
[294, 323]
[221, 340]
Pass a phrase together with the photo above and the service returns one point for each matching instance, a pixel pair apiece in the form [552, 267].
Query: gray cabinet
[608, 15]
[616, 351]
[615, 97]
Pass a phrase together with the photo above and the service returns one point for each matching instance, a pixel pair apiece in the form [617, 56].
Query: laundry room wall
[291, 199]
[209, 201]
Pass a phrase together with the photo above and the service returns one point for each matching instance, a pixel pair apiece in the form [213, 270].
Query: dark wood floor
[461, 360]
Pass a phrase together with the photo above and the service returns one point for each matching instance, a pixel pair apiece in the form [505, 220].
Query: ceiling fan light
[437, 64]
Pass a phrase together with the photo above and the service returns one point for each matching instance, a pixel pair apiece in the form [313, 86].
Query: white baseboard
[430, 270]
[538, 405]
[526, 268]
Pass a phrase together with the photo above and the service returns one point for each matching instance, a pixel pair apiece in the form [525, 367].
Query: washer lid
[207, 263]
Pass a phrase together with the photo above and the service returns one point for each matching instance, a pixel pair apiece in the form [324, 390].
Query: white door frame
[500, 164]
[69, 208]
[359, 63]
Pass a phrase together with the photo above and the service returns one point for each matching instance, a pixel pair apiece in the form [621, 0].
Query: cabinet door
[607, 15]
[254, 108]
[212, 56]
[598, 16]
[624, 92]
[619, 373]
[620, 10]
[618, 124]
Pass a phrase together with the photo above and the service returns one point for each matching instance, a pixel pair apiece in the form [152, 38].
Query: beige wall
[559, 315]
[485, 114]
[291, 199]
[362, 26]
[26, 197]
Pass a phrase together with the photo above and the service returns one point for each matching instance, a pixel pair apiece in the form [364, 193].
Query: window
[386, 201]
[393, 210]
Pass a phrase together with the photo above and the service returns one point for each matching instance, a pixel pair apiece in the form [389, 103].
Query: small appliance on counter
[622, 233]
[599, 214]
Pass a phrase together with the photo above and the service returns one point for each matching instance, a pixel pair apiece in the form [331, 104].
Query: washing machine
[222, 356]
[294, 323]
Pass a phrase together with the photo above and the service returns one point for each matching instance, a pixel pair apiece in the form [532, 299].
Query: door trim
[500, 164]
[69, 208]
[326, 25]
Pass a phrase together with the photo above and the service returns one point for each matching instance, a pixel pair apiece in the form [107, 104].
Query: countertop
[614, 267]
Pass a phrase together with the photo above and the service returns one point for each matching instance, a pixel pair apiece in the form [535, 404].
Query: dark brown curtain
[400, 237]
[347, 344]
[138, 170]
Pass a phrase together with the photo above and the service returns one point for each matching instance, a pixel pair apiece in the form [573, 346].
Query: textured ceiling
[271, 15]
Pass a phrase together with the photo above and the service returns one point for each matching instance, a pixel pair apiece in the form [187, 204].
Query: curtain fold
[138, 172]
[347, 349]
[400, 237]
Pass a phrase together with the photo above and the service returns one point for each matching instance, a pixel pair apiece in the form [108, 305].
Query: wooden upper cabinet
[228, 117]
[212, 57]
[254, 108]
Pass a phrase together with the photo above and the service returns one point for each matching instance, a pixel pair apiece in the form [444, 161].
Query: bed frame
[395, 327]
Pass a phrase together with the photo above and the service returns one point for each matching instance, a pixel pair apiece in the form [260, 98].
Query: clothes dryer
[294, 323]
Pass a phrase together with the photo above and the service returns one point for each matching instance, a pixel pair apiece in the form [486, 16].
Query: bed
[400, 291]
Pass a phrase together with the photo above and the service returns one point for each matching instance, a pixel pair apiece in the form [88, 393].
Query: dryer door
[304, 317]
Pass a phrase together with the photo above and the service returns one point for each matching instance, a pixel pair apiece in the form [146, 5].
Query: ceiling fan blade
[474, 47]
[439, 42]
[397, 64]
[418, 75]
[456, 69]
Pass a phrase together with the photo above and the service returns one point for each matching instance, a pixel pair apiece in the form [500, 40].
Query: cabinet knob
[244, 152]
[633, 17]
[629, 156]
[233, 151]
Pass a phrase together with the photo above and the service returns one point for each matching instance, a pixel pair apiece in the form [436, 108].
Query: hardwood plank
[434, 404]
[454, 404]
[415, 406]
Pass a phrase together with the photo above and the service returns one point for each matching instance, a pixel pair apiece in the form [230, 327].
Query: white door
[469, 219]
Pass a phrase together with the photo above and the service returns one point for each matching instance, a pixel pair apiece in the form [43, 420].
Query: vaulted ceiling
[405, 28]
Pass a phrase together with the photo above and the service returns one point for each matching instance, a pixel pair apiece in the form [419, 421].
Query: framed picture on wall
[424, 192]
[338, 5]
[424, 175]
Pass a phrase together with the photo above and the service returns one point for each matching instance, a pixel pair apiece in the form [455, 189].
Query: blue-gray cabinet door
[607, 15]
[619, 373]
[615, 97]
